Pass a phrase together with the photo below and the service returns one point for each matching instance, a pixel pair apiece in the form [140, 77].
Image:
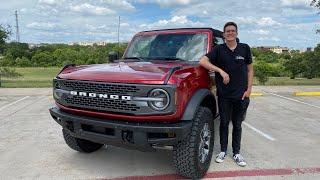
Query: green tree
[64, 56]
[4, 35]
[42, 59]
[23, 62]
[294, 65]
[315, 3]
[262, 71]
[269, 57]
[285, 55]
[7, 61]
[312, 65]
[255, 52]
[17, 50]
[317, 58]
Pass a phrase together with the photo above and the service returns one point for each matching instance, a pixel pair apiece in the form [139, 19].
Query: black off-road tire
[186, 153]
[80, 145]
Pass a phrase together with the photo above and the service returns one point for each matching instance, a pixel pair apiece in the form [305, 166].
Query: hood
[150, 72]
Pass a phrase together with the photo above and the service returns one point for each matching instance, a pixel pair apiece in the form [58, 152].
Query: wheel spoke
[204, 143]
[203, 158]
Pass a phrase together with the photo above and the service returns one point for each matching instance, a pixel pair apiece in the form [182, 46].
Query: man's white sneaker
[239, 160]
[220, 157]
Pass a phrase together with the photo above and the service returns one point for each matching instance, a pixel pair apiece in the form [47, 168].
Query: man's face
[230, 33]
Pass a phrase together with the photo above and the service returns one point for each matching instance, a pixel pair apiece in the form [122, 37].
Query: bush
[23, 62]
[7, 61]
[294, 65]
[262, 71]
[277, 70]
[8, 72]
[42, 59]
[312, 64]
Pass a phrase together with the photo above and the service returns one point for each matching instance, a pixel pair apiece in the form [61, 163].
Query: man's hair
[230, 24]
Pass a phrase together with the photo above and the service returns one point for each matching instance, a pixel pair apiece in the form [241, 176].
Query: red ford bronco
[155, 95]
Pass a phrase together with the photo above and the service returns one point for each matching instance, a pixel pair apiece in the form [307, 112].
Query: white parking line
[295, 100]
[259, 132]
[33, 102]
[3, 107]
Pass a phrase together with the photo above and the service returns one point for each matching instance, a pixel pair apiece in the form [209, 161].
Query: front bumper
[130, 135]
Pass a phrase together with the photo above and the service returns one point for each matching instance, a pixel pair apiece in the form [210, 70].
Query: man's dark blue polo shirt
[235, 64]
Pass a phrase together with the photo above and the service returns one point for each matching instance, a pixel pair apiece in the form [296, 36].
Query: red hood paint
[151, 72]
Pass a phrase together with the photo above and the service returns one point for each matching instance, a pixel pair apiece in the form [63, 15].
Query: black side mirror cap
[113, 56]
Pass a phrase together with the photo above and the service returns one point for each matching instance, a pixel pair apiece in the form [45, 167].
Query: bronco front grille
[101, 104]
[118, 98]
[98, 104]
[98, 87]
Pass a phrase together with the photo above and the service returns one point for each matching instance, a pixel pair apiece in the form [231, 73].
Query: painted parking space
[280, 140]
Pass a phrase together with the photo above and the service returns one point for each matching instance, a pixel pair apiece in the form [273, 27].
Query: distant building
[33, 45]
[275, 49]
[309, 49]
[101, 43]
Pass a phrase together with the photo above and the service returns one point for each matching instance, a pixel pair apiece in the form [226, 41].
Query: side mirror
[113, 56]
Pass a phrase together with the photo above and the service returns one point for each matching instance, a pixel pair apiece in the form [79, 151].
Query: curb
[256, 94]
[306, 93]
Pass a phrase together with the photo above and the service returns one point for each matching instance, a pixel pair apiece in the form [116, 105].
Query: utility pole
[17, 27]
[118, 37]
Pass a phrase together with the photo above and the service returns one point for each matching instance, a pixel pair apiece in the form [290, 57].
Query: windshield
[190, 47]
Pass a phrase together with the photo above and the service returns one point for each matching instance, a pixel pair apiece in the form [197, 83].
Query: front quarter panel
[188, 81]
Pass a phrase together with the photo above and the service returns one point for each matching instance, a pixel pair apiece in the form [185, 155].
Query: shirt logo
[239, 57]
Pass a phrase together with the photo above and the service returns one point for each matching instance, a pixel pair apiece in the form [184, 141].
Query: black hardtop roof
[215, 32]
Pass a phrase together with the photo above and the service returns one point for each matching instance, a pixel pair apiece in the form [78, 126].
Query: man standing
[232, 64]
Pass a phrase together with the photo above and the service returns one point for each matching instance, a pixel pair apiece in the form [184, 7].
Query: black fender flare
[195, 101]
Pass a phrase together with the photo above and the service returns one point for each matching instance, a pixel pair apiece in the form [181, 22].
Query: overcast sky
[289, 23]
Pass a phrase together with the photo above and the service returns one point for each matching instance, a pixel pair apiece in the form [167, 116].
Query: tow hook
[127, 136]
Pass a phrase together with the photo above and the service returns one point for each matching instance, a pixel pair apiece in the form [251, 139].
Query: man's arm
[250, 81]
[204, 62]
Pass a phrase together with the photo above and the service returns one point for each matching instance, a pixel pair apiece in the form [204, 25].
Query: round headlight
[57, 94]
[161, 99]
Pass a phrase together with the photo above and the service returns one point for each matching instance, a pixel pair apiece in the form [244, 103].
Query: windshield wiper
[139, 58]
[174, 58]
[170, 58]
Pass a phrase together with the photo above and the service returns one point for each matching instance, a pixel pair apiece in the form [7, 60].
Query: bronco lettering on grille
[105, 96]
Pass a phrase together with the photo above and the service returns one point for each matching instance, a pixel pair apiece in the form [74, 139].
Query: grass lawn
[34, 77]
[37, 77]
[286, 81]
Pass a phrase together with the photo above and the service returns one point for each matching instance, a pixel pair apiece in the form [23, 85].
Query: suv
[155, 95]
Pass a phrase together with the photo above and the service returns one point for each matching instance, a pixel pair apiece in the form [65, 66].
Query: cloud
[269, 39]
[267, 21]
[46, 26]
[97, 28]
[89, 9]
[264, 21]
[260, 32]
[124, 24]
[79, 20]
[175, 21]
[170, 3]
[48, 8]
[120, 4]
[50, 2]
[296, 4]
